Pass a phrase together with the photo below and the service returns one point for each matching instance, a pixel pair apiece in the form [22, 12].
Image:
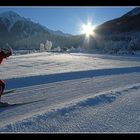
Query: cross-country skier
[4, 54]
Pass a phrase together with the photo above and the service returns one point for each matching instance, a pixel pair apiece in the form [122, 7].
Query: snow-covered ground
[71, 93]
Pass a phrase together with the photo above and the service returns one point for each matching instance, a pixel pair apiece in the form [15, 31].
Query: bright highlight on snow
[88, 29]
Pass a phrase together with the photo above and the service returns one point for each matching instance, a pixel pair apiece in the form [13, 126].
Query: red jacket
[2, 56]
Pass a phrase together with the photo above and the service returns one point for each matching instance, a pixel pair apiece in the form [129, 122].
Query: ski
[9, 91]
[5, 104]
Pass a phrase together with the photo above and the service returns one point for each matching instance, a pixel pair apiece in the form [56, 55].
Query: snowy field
[71, 93]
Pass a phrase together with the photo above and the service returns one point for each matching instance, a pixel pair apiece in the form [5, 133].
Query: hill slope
[127, 23]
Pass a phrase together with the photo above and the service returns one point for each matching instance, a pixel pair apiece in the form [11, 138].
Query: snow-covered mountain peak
[9, 18]
[8, 13]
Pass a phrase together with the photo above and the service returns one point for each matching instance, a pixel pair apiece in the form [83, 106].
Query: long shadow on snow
[43, 79]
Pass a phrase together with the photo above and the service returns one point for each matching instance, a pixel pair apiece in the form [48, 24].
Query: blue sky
[69, 19]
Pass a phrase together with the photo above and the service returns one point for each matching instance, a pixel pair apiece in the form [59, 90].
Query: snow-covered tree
[58, 49]
[42, 49]
[134, 44]
[48, 45]
[72, 49]
[79, 49]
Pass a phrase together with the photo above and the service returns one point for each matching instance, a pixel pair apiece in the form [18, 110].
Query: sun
[88, 29]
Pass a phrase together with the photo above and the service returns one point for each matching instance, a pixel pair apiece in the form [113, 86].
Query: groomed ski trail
[59, 94]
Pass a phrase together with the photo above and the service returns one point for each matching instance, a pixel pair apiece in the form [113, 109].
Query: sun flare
[88, 29]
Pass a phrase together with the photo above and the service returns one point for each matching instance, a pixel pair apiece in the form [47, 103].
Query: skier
[3, 55]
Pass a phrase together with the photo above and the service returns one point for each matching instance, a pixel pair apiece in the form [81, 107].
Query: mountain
[130, 22]
[11, 21]
[10, 18]
[15, 29]
[120, 35]
[58, 32]
[135, 11]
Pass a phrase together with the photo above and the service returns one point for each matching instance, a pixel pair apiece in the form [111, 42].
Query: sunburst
[88, 29]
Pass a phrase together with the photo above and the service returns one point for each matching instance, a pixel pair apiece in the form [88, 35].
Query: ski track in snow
[75, 93]
[81, 115]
